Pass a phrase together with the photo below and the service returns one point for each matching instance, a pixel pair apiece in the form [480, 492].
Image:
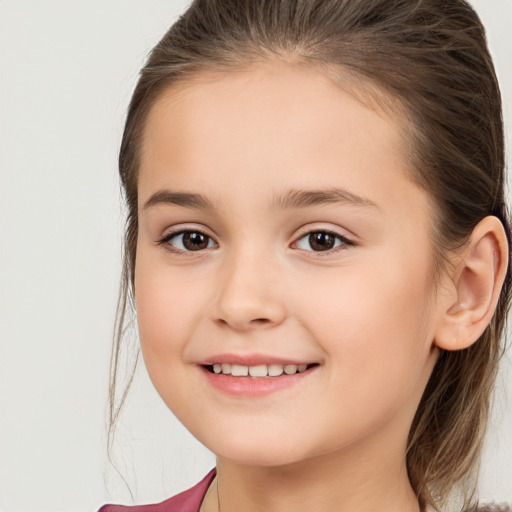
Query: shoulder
[187, 501]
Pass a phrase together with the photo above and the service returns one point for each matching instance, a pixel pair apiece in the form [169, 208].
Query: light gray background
[67, 69]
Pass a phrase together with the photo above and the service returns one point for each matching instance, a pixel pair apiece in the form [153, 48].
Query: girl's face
[279, 228]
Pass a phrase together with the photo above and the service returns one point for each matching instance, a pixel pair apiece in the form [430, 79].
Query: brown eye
[321, 241]
[187, 241]
[194, 241]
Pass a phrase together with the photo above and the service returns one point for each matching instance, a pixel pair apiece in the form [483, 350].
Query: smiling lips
[254, 378]
[254, 375]
[257, 371]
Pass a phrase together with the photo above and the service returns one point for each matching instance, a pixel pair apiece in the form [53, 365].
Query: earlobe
[476, 283]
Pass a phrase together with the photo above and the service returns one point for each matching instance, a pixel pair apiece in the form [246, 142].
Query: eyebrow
[186, 199]
[306, 198]
[288, 200]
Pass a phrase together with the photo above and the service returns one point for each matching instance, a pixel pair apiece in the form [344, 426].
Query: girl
[317, 246]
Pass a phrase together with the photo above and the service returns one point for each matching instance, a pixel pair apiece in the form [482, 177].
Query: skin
[366, 311]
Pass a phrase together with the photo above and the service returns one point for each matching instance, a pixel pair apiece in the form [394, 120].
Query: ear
[474, 287]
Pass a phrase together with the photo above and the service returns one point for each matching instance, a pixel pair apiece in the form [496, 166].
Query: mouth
[258, 371]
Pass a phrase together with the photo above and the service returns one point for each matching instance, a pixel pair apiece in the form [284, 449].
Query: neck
[338, 482]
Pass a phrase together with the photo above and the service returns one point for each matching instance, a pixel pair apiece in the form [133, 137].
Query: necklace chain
[218, 498]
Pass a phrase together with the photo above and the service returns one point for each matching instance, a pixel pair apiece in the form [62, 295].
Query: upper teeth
[261, 370]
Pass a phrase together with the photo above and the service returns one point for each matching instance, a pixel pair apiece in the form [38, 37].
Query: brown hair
[430, 57]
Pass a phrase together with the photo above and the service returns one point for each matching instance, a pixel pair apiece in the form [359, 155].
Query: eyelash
[344, 242]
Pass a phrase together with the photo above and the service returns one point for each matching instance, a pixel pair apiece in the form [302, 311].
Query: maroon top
[187, 501]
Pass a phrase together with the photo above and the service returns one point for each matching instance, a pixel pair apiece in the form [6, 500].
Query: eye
[321, 241]
[187, 241]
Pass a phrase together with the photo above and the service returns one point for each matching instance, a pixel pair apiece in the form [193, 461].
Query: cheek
[371, 318]
[165, 306]
[377, 352]
[165, 315]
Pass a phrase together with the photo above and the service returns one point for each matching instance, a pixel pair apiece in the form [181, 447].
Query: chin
[265, 451]
[259, 458]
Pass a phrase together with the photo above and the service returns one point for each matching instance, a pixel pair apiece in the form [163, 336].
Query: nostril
[245, 324]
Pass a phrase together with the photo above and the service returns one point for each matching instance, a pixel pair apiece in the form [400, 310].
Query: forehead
[268, 127]
[273, 87]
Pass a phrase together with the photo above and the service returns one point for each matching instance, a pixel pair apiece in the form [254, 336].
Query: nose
[249, 293]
